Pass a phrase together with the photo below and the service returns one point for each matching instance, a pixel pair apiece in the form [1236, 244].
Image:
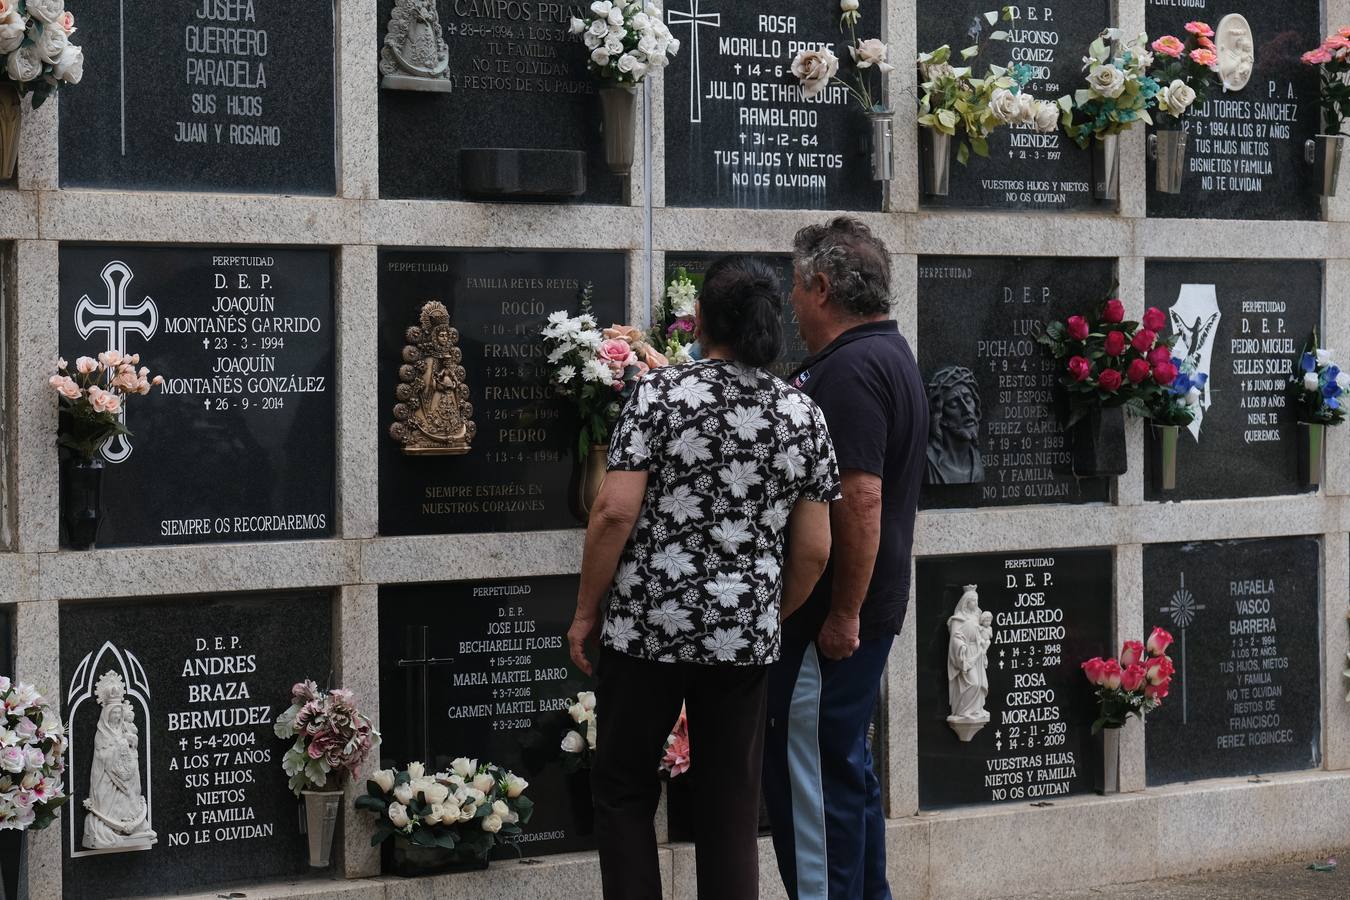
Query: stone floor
[1286, 881]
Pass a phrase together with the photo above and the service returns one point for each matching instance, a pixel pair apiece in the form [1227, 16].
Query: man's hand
[584, 631]
[838, 638]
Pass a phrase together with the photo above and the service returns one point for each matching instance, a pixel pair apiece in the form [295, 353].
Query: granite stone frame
[1164, 830]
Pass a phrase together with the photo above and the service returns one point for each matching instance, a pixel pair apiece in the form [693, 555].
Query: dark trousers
[829, 828]
[637, 704]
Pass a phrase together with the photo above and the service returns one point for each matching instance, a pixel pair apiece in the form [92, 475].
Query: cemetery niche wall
[482, 669]
[240, 442]
[1246, 698]
[519, 121]
[1004, 712]
[1024, 169]
[1245, 323]
[979, 318]
[517, 471]
[178, 698]
[203, 96]
[739, 132]
[1245, 159]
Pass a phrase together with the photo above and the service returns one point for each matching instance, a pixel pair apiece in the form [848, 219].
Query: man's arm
[808, 552]
[856, 523]
[612, 519]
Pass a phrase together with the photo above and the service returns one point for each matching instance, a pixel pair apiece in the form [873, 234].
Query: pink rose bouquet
[33, 759]
[1332, 59]
[1185, 72]
[1133, 685]
[332, 738]
[93, 396]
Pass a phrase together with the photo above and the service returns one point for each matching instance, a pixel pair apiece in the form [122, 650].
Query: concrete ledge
[210, 568]
[458, 557]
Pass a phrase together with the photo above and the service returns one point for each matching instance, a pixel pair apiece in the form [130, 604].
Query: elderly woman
[712, 525]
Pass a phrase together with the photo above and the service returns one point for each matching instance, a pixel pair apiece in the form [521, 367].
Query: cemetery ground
[1293, 880]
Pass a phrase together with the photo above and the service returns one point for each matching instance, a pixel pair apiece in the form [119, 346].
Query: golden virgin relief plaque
[433, 416]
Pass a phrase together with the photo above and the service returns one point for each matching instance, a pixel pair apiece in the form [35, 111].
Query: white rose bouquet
[1119, 91]
[957, 103]
[627, 40]
[36, 55]
[578, 741]
[467, 810]
[32, 759]
[93, 395]
[817, 68]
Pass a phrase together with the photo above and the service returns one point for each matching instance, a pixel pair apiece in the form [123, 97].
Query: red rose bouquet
[1111, 362]
[1133, 685]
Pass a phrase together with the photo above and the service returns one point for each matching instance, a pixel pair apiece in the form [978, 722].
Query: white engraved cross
[693, 18]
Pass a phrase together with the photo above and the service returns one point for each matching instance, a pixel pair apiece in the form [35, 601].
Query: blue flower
[1309, 362]
[1331, 390]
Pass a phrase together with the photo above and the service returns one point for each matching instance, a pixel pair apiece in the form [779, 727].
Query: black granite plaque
[206, 678]
[1246, 697]
[516, 475]
[1246, 323]
[794, 348]
[738, 131]
[481, 669]
[518, 81]
[239, 444]
[1048, 611]
[1024, 170]
[1245, 159]
[983, 314]
[208, 95]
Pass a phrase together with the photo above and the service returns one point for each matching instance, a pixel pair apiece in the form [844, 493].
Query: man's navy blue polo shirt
[868, 385]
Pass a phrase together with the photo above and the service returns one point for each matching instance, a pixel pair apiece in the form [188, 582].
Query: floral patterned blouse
[730, 450]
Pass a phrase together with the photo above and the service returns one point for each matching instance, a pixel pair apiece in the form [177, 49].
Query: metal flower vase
[1108, 777]
[1106, 167]
[11, 117]
[1324, 152]
[82, 501]
[883, 144]
[618, 106]
[1312, 438]
[592, 475]
[321, 815]
[1164, 448]
[1098, 444]
[1169, 156]
[935, 162]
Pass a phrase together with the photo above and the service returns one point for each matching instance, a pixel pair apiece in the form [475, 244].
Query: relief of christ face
[1237, 52]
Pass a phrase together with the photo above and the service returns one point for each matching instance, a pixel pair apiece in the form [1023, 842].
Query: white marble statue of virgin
[967, 659]
[117, 812]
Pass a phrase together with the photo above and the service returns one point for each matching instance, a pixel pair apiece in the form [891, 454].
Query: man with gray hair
[829, 828]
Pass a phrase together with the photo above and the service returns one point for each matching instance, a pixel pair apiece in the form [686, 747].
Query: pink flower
[1115, 343]
[26, 728]
[1111, 675]
[1132, 653]
[1169, 46]
[1113, 312]
[110, 359]
[1200, 28]
[1109, 380]
[1206, 43]
[157, 381]
[1080, 368]
[1133, 677]
[1144, 340]
[61, 363]
[67, 21]
[1319, 57]
[1158, 642]
[1160, 670]
[676, 761]
[1205, 57]
[65, 386]
[1154, 319]
[1095, 670]
[1078, 328]
[1157, 691]
[1335, 42]
[86, 365]
[615, 350]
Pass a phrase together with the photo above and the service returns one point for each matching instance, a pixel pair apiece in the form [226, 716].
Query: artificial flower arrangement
[815, 69]
[677, 317]
[1316, 390]
[332, 738]
[1119, 90]
[578, 741]
[1184, 71]
[1332, 59]
[467, 810]
[32, 759]
[676, 760]
[595, 370]
[93, 397]
[957, 104]
[36, 55]
[1171, 408]
[627, 41]
[1133, 685]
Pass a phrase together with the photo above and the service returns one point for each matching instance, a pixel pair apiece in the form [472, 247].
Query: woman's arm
[808, 552]
[612, 519]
